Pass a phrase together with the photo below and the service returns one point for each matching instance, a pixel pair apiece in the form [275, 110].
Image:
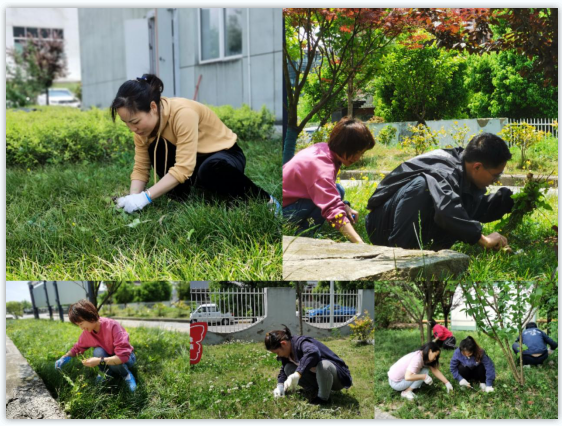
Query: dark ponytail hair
[274, 338]
[434, 347]
[432, 323]
[470, 345]
[136, 95]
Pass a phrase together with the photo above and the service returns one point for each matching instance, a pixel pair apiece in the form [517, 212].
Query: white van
[211, 315]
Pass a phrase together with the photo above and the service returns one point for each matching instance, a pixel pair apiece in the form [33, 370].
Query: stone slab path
[313, 259]
[27, 396]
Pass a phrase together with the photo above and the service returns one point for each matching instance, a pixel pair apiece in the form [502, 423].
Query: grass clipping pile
[530, 198]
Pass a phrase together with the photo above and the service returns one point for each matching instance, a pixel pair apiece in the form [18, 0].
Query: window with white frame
[21, 34]
[220, 34]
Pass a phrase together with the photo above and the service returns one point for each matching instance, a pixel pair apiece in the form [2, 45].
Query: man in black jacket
[444, 192]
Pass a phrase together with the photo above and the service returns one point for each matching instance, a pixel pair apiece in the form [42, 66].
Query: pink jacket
[112, 337]
[311, 174]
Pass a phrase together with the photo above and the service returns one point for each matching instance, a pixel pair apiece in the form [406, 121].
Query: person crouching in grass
[308, 363]
[470, 363]
[310, 192]
[113, 354]
[412, 370]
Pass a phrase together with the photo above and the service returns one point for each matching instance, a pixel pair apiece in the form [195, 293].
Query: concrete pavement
[26, 395]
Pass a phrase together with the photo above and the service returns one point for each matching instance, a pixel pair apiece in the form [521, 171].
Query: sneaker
[130, 380]
[483, 386]
[408, 395]
[274, 206]
[319, 401]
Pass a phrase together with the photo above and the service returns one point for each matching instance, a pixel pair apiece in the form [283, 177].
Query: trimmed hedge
[58, 135]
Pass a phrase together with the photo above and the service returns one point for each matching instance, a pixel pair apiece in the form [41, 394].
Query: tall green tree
[418, 83]
[14, 308]
[498, 89]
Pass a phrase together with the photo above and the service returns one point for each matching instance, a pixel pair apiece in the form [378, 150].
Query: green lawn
[537, 399]
[236, 380]
[61, 225]
[532, 258]
[162, 372]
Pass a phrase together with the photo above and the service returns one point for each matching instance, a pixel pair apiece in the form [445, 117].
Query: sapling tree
[501, 310]
[14, 308]
[523, 136]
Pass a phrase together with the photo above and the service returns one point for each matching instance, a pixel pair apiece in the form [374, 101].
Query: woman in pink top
[113, 354]
[310, 193]
[412, 370]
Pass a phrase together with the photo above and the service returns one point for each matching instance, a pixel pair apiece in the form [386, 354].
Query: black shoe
[319, 401]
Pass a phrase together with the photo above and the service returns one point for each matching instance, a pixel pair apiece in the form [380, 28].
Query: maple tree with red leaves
[338, 42]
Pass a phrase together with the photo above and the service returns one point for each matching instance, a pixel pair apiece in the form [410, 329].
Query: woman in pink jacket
[113, 354]
[310, 193]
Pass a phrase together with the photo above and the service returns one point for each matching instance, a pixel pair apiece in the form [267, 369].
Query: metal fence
[546, 125]
[230, 310]
[316, 308]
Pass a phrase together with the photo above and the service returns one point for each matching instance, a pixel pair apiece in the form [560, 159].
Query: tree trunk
[420, 324]
[47, 96]
[350, 97]
[290, 143]
[446, 313]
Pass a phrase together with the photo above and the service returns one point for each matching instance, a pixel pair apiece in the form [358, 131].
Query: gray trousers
[404, 384]
[325, 379]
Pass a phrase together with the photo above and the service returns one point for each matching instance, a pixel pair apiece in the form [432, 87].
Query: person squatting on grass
[186, 145]
[471, 363]
[443, 192]
[310, 192]
[113, 354]
[308, 363]
[443, 336]
[536, 341]
[412, 370]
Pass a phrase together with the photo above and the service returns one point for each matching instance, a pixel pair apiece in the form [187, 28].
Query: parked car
[211, 315]
[341, 314]
[59, 97]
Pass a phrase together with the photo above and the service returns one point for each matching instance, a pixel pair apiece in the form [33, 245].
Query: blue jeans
[115, 370]
[307, 215]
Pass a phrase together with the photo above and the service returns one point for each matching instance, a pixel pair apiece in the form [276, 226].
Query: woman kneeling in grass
[412, 370]
[310, 192]
[186, 145]
[308, 363]
[113, 354]
[471, 363]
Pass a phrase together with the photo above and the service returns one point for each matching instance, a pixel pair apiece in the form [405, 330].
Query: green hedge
[56, 135]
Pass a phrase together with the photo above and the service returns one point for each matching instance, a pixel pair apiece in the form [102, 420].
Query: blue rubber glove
[63, 360]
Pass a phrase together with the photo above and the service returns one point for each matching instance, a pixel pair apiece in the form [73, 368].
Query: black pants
[531, 360]
[219, 173]
[448, 343]
[476, 374]
[396, 223]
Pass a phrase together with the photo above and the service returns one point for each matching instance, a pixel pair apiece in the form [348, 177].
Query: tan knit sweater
[192, 127]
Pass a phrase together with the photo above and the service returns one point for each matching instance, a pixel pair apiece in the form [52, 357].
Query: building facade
[217, 56]
[47, 23]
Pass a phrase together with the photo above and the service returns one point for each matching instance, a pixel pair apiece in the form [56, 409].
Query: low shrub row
[49, 135]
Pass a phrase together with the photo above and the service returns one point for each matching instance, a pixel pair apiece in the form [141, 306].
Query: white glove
[463, 382]
[449, 387]
[489, 389]
[428, 379]
[292, 382]
[133, 202]
[279, 390]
